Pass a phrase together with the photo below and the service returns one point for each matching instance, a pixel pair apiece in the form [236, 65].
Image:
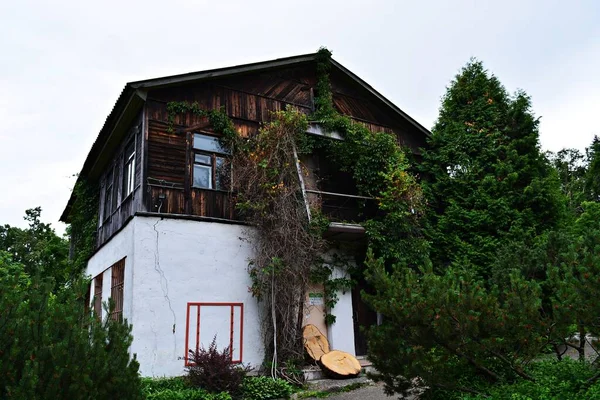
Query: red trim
[187, 335]
[231, 326]
[198, 330]
[241, 330]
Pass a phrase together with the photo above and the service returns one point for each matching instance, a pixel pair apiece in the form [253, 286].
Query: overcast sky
[64, 63]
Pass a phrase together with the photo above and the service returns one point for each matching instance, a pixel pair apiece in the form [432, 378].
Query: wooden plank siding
[164, 162]
[121, 208]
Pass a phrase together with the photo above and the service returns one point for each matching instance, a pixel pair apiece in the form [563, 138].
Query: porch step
[314, 372]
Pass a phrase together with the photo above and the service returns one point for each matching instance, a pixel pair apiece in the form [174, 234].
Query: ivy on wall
[84, 224]
[288, 245]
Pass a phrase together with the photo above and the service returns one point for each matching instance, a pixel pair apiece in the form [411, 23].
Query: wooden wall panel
[166, 154]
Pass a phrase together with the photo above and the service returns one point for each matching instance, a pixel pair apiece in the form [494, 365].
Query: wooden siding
[249, 101]
[121, 208]
[163, 161]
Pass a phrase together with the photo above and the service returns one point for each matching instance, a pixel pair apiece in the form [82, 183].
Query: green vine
[379, 167]
[269, 196]
[84, 224]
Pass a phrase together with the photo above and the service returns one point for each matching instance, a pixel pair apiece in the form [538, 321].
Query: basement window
[116, 289]
[211, 169]
[98, 296]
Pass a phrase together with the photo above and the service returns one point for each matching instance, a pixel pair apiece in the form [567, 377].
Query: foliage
[52, 348]
[83, 224]
[554, 380]
[37, 248]
[444, 325]
[505, 274]
[380, 169]
[176, 389]
[213, 370]
[265, 388]
[592, 176]
[487, 181]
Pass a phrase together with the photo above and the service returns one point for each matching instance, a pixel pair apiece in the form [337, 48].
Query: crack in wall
[155, 347]
[164, 284]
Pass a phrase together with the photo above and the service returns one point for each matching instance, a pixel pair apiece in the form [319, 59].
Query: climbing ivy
[288, 244]
[84, 223]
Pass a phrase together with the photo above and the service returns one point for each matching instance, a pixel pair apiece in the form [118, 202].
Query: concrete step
[314, 372]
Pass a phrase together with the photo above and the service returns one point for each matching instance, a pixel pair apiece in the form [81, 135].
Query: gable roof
[133, 96]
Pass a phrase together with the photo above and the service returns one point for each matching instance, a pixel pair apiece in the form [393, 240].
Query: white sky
[64, 63]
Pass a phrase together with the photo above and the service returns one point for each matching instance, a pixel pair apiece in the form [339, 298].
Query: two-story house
[168, 240]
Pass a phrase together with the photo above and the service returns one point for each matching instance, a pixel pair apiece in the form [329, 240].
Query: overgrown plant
[52, 348]
[213, 370]
[288, 244]
[84, 224]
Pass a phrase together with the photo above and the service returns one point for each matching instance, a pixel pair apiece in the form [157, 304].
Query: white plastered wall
[119, 247]
[178, 261]
[171, 262]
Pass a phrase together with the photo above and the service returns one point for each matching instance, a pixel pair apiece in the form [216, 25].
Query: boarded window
[116, 289]
[206, 320]
[98, 295]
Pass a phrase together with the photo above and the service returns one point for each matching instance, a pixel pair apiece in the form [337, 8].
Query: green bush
[51, 348]
[151, 385]
[265, 388]
[176, 389]
[186, 394]
[554, 380]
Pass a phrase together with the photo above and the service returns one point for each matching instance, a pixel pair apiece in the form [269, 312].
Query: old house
[168, 238]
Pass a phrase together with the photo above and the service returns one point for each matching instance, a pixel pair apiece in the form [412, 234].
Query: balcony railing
[346, 208]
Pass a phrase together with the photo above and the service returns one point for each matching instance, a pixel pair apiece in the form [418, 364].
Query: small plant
[213, 370]
[176, 389]
[265, 388]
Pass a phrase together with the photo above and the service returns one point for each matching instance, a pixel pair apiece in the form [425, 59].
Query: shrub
[176, 389]
[186, 394]
[265, 388]
[554, 380]
[51, 348]
[214, 371]
[151, 385]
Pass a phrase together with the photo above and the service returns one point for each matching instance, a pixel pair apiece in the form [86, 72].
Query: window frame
[128, 170]
[117, 275]
[108, 198]
[215, 156]
[98, 295]
[196, 337]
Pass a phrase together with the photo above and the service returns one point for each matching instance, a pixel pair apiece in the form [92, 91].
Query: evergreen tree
[592, 176]
[51, 347]
[486, 181]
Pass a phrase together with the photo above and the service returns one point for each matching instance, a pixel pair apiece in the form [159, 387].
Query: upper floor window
[108, 194]
[211, 169]
[129, 169]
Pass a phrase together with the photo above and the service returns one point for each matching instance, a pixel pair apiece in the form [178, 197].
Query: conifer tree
[486, 181]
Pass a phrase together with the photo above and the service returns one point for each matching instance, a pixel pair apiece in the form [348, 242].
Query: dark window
[211, 169]
[129, 169]
[116, 289]
[98, 296]
[108, 195]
